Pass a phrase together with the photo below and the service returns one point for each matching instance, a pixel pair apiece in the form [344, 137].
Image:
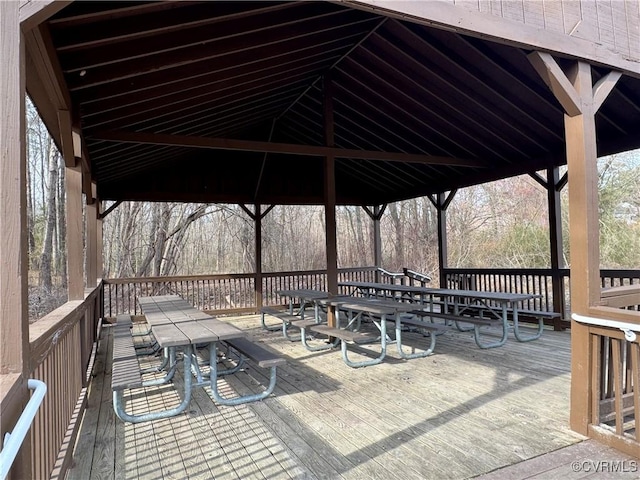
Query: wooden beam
[377, 237]
[14, 323]
[75, 247]
[580, 134]
[555, 240]
[284, 148]
[14, 316]
[460, 19]
[99, 243]
[603, 88]
[258, 247]
[66, 138]
[34, 12]
[110, 209]
[557, 81]
[45, 80]
[330, 197]
[442, 203]
[91, 235]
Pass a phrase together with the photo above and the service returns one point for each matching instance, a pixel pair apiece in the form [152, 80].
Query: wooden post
[91, 229]
[443, 253]
[99, 242]
[442, 202]
[258, 246]
[584, 242]
[14, 317]
[580, 100]
[555, 241]
[75, 255]
[376, 216]
[330, 200]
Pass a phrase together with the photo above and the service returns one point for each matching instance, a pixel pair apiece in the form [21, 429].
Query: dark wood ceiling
[142, 76]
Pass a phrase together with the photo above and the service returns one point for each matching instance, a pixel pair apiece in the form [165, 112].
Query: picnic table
[305, 296]
[179, 327]
[480, 308]
[385, 290]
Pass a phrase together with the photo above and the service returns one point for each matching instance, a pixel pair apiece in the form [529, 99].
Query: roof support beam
[557, 81]
[283, 148]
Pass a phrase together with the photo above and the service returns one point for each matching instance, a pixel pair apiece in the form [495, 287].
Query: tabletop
[306, 293]
[503, 297]
[175, 322]
[385, 286]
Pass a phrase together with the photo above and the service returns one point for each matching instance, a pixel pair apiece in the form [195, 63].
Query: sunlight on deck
[459, 413]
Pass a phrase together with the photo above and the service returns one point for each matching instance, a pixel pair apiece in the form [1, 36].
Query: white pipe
[629, 329]
[13, 441]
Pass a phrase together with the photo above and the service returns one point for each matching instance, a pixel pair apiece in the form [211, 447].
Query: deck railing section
[615, 369]
[226, 293]
[62, 346]
[531, 281]
[537, 281]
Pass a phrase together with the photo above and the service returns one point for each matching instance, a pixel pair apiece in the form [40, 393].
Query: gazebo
[328, 103]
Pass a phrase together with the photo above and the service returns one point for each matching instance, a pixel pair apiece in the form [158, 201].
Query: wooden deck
[459, 413]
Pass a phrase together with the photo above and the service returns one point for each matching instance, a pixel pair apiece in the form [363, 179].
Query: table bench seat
[282, 315]
[125, 371]
[261, 356]
[342, 334]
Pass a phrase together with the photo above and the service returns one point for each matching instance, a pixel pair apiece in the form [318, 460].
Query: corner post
[555, 241]
[14, 316]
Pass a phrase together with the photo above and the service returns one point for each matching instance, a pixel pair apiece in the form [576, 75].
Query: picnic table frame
[176, 325]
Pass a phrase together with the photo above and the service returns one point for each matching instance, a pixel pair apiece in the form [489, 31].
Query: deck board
[459, 413]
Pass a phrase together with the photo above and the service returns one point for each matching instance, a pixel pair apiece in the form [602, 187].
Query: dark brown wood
[330, 198]
[258, 248]
[290, 149]
[555, 237]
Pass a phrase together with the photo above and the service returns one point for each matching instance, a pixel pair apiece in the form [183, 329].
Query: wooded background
[500, 224]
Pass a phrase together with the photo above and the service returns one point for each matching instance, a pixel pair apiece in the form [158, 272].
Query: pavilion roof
[223, 102]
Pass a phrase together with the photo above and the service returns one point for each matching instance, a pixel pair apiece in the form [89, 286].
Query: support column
[584, 242]
[442, 201]
[14, 317]
[99, 242]
[376, 216]
[91, 229]
[75, 254]
[554, 186]
[330, 200]
[580, 99]
[258, 246]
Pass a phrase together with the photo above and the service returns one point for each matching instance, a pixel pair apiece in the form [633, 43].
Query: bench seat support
[261, 356]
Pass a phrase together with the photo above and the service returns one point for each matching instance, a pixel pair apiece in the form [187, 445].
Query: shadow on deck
[459, 413]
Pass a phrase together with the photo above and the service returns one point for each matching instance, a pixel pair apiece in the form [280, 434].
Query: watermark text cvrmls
[605, 466]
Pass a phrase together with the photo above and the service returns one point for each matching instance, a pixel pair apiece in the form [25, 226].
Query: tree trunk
[47, 247]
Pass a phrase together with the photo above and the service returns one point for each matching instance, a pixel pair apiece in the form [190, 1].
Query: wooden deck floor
[459, 413]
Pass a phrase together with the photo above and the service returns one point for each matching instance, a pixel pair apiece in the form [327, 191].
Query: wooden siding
[613, 23]
[604, 32]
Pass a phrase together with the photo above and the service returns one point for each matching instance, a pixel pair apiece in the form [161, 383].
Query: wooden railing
[228, 293]
[615, 370]
[236, 293]
[539, 281]
[62, 346]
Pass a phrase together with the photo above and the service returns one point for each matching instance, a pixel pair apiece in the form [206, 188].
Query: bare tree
[51, 213]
